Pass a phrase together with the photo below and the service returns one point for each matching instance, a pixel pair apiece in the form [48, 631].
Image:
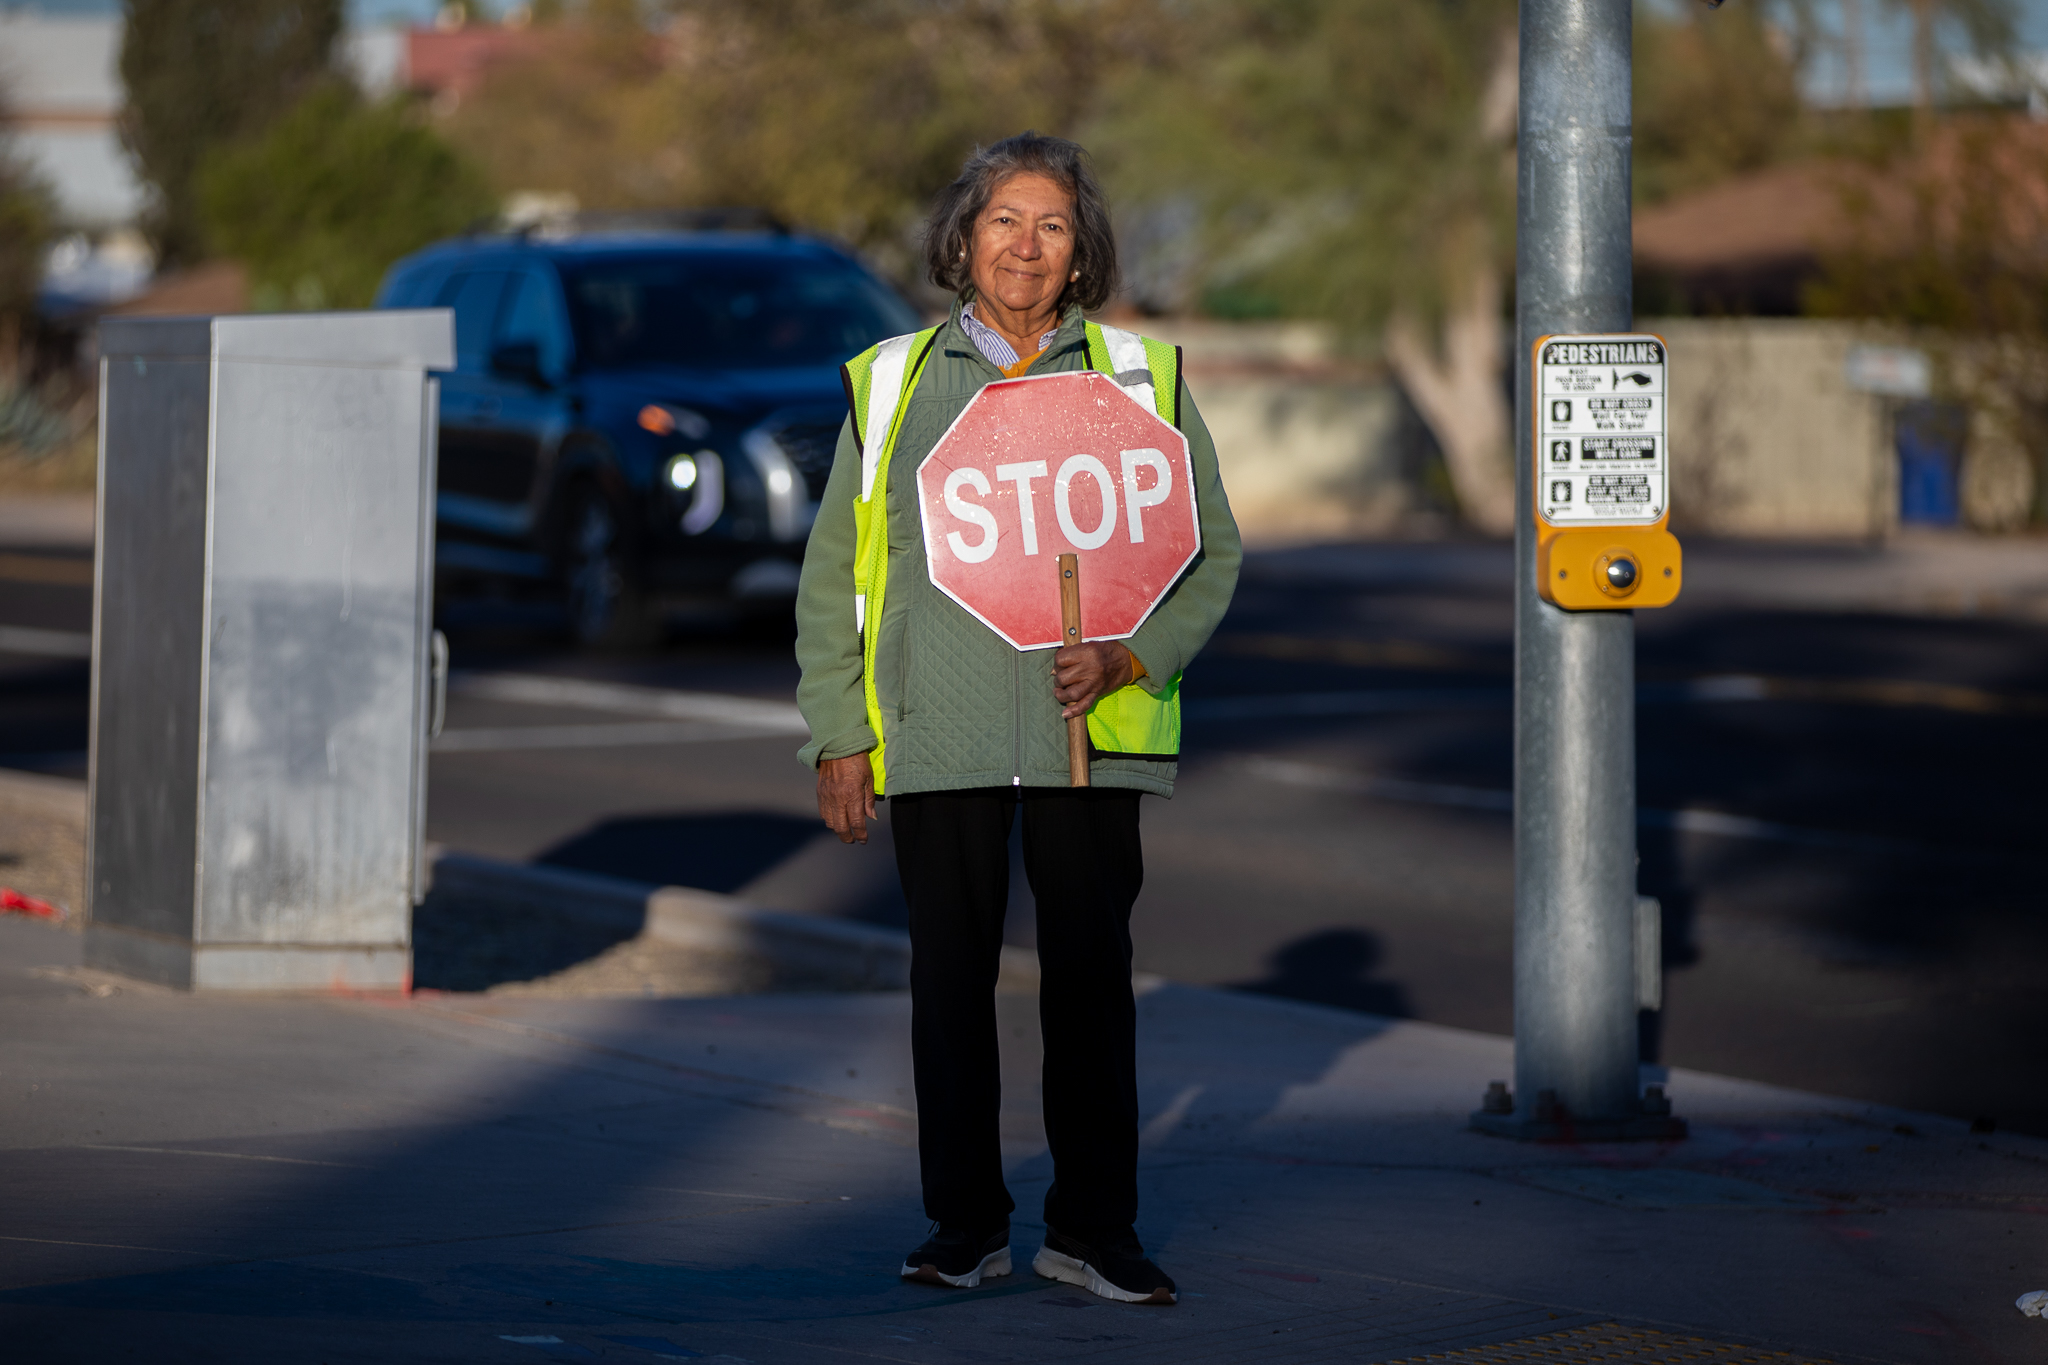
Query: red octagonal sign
[1039, 467]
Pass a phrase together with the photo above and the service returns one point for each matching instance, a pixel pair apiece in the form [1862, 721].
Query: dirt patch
[72, 467]
[42, 855]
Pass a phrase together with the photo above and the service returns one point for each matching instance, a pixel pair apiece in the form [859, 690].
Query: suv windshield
[726, 312]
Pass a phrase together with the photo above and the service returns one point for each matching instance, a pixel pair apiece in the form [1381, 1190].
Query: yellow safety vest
[1128, 723]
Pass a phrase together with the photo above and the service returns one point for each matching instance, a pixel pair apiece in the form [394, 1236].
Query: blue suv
[636, 417]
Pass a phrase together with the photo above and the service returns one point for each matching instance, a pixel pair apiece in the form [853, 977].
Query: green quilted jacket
[962, 708]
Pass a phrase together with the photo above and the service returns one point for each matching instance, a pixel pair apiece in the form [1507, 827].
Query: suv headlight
[699, 479]
[790, 509]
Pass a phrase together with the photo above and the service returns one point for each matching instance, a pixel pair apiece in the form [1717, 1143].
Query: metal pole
[1575, 799]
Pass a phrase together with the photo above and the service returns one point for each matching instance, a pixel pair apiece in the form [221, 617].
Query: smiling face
[1022, 254]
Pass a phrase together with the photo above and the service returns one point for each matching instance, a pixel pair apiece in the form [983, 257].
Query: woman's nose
[1025, 247]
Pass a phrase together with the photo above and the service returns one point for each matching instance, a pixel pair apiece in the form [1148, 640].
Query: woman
[906, 692]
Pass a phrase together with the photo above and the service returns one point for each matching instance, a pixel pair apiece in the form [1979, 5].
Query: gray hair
[949, 231]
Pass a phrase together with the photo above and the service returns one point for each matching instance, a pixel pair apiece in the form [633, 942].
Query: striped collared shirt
[999, 352]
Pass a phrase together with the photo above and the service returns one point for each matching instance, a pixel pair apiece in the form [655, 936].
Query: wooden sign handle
[1070, 634]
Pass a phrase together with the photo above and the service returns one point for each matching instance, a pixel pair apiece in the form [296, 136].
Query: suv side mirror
[520, 360]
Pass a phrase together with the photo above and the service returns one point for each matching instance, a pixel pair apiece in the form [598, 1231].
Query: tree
[201, 74]
[33, 420]
[842, 116]
[574, 112]
[1716, 95]
[1987, 23]
[1952, 243]
[334, 192]
[775, 121]
[1350, 160]
[28, 222]
[1353, 161]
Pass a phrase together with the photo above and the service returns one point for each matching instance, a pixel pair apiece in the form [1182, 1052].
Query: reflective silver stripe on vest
[885, 392]
[1132, 371]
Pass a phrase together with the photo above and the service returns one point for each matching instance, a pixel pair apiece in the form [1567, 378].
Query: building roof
[453, 62]
[216, 287]
[1751, 243]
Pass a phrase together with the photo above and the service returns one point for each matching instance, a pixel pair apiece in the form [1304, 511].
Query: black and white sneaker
[1115, 1270]
[961, 1259]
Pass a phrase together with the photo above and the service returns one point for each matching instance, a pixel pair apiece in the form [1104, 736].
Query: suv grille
[810, 447]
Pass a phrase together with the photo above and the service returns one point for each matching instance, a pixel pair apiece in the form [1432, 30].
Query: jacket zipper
[1016, 659]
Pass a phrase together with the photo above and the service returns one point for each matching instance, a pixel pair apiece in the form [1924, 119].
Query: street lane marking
[57, 644]
[103, 1246]
[1711, 688]
[71, 573]
[1717, 823]
[1714, 689]
[722, 1194]
[1360, 703]
[1895, 692]
[619, 734]
[707, 717]
[771, 716]
[1358, 653]
[226, 1156]
[1156, 1132]
[1382, 788]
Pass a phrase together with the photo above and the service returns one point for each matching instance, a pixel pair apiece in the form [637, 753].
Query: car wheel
[605, 604]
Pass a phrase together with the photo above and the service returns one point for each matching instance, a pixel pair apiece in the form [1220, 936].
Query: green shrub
[320, 204]
[203, 74]
[27, 224]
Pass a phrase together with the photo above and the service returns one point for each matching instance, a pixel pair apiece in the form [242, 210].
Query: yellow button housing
[1602, 568]
[1572, 564]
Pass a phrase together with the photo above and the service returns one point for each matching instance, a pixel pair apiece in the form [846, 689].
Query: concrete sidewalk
[462, 1178]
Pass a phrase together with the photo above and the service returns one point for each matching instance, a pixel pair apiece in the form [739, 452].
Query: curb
[811, 950]
[835, 954]
[831, 954]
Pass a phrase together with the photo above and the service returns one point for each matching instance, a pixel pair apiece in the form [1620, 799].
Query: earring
[1075, 276]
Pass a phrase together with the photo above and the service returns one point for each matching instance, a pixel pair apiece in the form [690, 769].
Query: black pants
[1082, 854]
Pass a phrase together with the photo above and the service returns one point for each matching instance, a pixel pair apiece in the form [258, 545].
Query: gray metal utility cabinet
[261, 647]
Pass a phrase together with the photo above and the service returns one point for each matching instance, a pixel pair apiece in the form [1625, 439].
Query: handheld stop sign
[1036, 468]
[1602, 486]
[1058, 467]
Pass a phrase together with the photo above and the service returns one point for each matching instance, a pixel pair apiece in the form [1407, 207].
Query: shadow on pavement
[500, 1184]
[472, 943]
[1878, 932]
[720, 852]
[468, 940]
[1332, 967]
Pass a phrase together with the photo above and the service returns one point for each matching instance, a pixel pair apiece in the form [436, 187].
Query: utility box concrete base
[261, 648]
[1643, 1128]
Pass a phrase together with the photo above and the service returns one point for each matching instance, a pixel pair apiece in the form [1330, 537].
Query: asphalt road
[1841, 810]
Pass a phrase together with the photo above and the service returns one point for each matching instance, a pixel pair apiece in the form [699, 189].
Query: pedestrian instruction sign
[1601, 446]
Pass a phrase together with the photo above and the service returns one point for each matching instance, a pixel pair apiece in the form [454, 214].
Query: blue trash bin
[1930, 440]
